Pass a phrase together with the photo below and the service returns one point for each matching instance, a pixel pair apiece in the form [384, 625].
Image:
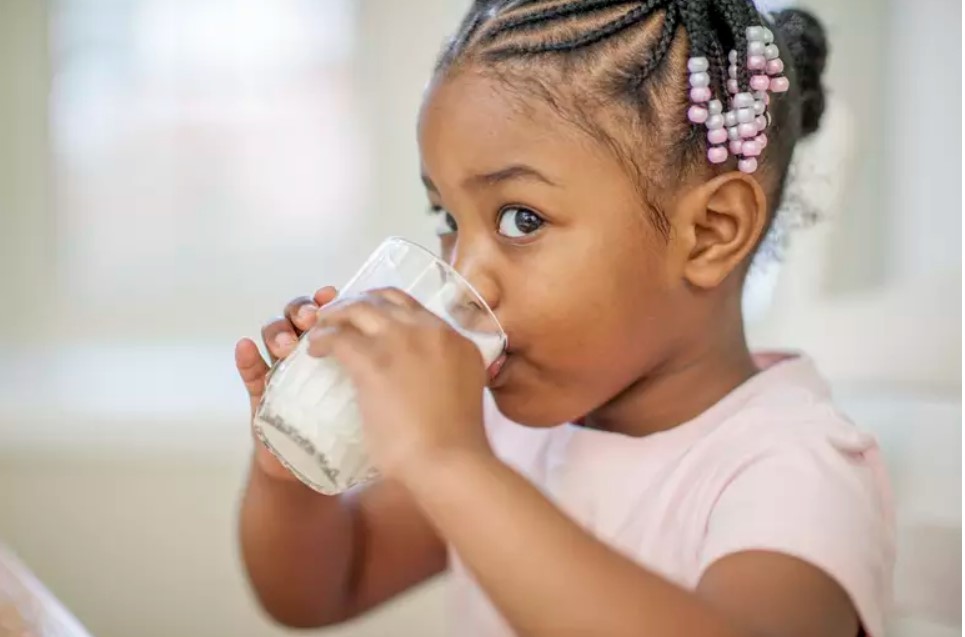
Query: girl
[603, 171]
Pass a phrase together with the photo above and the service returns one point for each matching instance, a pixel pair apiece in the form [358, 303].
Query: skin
[608, 323]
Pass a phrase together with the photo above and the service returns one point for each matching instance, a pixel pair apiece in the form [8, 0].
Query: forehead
[472, 122]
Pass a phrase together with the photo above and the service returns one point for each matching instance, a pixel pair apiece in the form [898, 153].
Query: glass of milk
[308, 416]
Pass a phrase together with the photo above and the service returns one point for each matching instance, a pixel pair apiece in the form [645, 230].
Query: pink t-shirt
[772, 466]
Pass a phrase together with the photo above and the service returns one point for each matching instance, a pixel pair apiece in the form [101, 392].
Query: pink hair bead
[700, 94]
[717, 154]
[747, 131]
[697, 114]
[717, 136]
[760, 82]
[779, 84]
[761, 122]
[762, 141]
[736, 146]
[747, 165]
[732, 86]
[774, 67]
[750, 149]
[756, 62]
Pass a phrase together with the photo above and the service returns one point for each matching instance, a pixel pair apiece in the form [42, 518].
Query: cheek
[593, 309]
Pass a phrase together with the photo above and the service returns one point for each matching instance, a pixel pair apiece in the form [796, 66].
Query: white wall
[874, 292]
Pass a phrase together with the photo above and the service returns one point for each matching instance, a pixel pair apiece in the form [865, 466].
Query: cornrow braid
[628, 20]
[542, 17]
[734, 14]
[659, 51]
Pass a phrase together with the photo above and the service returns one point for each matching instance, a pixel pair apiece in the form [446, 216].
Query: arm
[549, 577]
[315, 560]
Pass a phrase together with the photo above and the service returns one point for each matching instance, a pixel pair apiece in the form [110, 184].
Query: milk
[310, 418]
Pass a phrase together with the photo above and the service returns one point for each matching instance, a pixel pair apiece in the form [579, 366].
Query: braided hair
[586, 57]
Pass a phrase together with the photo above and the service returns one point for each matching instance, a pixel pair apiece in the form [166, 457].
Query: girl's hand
[280, 337]
[419, 382]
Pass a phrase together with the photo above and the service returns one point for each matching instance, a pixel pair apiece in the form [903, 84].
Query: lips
[497, 367]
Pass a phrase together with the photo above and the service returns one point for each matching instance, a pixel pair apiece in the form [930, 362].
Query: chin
[530, 407]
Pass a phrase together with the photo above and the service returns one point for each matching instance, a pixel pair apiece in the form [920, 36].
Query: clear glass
[309, 417]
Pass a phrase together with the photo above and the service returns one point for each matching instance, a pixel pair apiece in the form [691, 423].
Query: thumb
[252, 368]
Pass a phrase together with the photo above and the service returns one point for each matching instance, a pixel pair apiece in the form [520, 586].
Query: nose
[476, 265]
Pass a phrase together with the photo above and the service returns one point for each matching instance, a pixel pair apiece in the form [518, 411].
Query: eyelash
[451, 227]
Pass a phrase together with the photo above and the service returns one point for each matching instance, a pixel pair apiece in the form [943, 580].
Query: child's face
[591, 297]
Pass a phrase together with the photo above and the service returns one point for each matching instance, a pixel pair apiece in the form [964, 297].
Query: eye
[518, 222]
[445, 222]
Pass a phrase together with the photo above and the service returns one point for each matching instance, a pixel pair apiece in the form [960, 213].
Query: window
[196, 142]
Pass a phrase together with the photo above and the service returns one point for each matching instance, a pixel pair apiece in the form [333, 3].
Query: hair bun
[807, 46]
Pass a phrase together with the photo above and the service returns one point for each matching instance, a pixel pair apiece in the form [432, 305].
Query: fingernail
[307, 312]
[284, 339]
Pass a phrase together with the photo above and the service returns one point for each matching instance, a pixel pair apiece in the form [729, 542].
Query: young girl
[604, 171]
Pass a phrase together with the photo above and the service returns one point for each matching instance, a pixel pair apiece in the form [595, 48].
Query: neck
[680, 390]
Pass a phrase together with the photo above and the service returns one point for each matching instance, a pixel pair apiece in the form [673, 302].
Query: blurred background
[172, 171]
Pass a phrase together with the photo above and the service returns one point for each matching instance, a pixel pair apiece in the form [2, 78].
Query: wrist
[448, 469]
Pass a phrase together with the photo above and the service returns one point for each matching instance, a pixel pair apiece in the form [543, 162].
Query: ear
[719, 224]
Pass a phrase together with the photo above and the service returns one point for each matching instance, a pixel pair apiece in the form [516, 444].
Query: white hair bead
[698, 64]
[745, 115]
[743, 100]
[755, 34]
[700, 79]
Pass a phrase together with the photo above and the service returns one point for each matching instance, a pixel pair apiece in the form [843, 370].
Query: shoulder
[797, 477]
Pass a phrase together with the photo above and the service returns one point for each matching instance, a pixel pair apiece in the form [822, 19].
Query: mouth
[496, 369]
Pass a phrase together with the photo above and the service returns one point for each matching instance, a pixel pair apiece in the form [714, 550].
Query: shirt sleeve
[825, 502]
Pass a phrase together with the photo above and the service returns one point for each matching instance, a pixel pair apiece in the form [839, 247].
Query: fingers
[281, 334]
[396, 297]
[279, 337]
[324, 296]
[301, 314]
[367, 315]
[251, 367]
[346, 344]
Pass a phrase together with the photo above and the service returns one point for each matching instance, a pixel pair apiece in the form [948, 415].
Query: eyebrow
[509, 173]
